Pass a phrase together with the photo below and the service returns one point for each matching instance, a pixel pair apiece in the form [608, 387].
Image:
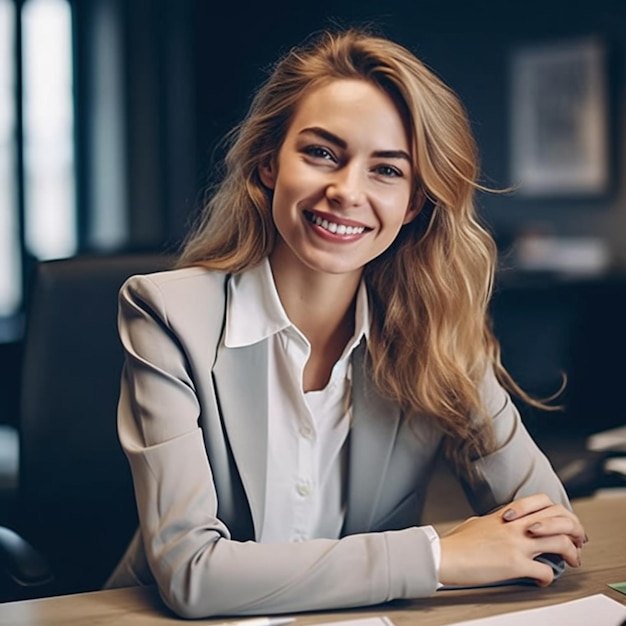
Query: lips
[335, 227]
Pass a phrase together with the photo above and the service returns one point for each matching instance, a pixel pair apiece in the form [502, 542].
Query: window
[38, 214]
[10, 266]
[48, 129]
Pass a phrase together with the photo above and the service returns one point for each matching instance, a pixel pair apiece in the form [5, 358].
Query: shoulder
[188, 282]
[178, 280]
[180, 294]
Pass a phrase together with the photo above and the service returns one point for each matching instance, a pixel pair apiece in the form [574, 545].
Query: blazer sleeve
[517, 467]
[200, 570]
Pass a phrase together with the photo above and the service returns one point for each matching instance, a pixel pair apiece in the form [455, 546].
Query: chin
[334, 268]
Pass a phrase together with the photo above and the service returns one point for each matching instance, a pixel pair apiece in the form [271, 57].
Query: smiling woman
[289, 388]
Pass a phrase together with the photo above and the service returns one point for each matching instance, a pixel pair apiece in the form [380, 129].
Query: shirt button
[306, 432]
[304, 489]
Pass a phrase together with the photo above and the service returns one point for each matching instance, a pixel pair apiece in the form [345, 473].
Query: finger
[561, 545]
[555, 519]
[558, 525]
[525, 506]
[542, 573]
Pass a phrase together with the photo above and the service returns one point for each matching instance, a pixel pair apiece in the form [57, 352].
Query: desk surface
[604, 561]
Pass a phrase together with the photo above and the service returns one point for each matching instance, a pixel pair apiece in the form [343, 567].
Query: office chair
[75, 508]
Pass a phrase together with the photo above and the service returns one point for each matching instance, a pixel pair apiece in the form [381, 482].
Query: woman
[288, 388]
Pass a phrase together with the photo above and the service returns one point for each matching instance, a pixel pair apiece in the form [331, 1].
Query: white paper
[381, 620]
[599, 610]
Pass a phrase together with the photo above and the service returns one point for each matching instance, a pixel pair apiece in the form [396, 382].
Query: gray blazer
[192, 421]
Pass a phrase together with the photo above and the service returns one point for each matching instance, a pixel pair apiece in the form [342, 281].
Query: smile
[333, 227]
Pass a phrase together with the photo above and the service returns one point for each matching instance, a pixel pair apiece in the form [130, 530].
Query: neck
[318, 304]
[322, 306]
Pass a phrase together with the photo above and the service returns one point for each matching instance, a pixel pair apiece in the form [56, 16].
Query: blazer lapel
[375, 425]
[241, 383]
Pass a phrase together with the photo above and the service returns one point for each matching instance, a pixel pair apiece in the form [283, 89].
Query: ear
[415, 206]
[267, 173]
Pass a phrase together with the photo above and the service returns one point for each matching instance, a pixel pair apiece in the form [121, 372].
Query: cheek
[395, 209]
[281, 202]
[284, 208]
[294, 188]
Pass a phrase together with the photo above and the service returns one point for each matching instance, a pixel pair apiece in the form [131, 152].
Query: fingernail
[533, 527]
[508, 515]
[586, 540]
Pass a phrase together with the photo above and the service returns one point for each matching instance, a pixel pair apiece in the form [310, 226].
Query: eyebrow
[334, 139]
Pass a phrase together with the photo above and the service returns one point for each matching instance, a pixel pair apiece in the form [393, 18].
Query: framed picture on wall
[559, 119]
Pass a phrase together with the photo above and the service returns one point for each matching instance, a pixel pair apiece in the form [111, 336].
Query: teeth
[339, 229]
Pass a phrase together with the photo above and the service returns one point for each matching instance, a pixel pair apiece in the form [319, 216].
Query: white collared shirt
[307, 432]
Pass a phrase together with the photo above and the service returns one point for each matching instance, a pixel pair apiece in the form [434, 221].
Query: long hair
[430, 342]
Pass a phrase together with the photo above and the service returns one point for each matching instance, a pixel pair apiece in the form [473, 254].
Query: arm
[200, 569]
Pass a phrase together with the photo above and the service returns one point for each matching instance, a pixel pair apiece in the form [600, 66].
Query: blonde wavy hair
[430, 343]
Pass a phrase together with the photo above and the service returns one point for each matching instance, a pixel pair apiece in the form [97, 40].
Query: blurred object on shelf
[535, 250]
[603, 468]
[612, 439]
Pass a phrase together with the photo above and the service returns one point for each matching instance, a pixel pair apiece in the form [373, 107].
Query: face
[342, 179]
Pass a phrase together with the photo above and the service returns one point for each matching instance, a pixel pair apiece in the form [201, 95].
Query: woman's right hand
[504, 544]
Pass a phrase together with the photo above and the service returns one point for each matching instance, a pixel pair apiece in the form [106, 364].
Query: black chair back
[75, 496]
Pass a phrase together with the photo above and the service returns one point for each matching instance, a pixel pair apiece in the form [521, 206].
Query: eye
[319, 152]
[388, 171]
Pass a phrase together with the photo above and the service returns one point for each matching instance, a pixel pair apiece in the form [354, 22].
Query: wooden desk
[604, 561]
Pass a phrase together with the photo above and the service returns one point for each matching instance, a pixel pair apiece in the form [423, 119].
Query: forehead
[354, 108]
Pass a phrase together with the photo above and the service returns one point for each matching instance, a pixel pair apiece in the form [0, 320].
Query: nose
[347, 187]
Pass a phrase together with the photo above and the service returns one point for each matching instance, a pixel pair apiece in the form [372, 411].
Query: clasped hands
[503, 544]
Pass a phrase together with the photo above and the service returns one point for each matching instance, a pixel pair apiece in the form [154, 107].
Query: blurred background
[111, 112]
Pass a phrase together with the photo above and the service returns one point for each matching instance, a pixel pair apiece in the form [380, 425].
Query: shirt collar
[254, 311]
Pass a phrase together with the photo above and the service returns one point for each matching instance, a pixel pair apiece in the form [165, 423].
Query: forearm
[204, 578]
